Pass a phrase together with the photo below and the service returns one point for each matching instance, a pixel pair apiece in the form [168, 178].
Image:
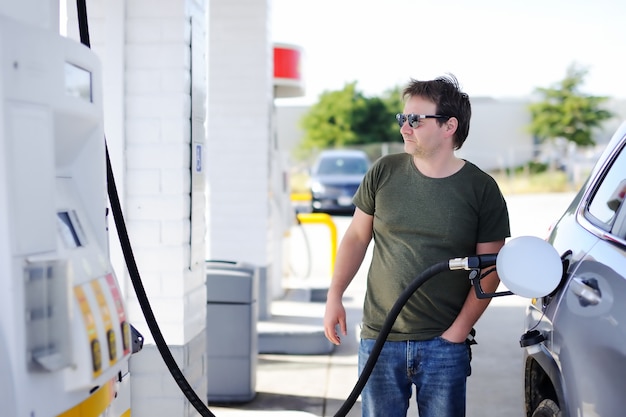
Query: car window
[339, 166]
[609, 196]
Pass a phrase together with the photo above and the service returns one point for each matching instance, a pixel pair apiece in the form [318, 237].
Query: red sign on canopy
[287, 74]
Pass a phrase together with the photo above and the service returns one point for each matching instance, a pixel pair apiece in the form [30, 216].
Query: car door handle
[585, 291]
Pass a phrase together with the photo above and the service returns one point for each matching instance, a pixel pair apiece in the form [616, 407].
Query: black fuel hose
[384, 332]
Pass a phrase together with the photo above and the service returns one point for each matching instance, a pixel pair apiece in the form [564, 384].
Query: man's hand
[455, 337]
[335, 315]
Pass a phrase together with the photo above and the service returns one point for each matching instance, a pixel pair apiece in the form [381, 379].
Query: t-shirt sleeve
[365, 196]
[494, 216]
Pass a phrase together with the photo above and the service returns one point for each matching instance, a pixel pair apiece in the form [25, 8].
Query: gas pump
[65, 339]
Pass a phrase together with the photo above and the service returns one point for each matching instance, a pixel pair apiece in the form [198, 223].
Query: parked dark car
[575, 340]
[335, 177]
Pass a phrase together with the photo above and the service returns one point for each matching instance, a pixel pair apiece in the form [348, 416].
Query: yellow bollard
[323, 218]
[301, 197]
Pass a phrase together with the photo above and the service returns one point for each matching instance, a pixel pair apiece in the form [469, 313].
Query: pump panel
[64, 334]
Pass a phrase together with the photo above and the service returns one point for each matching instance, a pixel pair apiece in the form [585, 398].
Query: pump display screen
[69, 229]
[78, 82]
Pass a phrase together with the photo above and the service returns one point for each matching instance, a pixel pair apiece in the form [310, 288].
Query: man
[421, 207]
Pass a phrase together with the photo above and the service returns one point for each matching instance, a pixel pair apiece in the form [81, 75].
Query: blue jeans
[438, 368]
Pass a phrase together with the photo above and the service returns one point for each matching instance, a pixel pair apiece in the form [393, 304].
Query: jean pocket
[449, 342]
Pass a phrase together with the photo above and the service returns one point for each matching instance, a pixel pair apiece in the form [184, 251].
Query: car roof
[342, 152]
[617, 137]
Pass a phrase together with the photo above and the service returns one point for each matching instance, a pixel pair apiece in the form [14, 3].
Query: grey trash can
[231, 327]
[259, 275]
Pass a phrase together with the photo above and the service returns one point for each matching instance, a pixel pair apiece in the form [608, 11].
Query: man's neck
[438, 167]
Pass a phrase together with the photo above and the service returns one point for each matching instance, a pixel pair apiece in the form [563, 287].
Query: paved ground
[317, 385]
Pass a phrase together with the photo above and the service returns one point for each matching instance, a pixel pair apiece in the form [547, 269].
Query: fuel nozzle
[473, 262]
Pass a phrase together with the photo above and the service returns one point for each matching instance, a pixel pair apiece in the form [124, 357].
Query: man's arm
[349, 258]
[474, 307]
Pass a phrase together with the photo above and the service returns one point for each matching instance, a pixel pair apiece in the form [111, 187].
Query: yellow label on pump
[90, 327]
[106, 320]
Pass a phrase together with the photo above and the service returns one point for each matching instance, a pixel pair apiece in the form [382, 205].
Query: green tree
[393, 99]
[566, 112]
[375, 123]
[394, 104]
[348, 118]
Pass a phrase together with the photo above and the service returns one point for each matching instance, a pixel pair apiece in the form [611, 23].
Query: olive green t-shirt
[420, 221]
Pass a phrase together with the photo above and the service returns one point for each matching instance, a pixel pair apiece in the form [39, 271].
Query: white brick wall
[152, 381]
[158, 108]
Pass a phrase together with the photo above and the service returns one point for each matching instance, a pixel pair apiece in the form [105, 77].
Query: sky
[500, 49]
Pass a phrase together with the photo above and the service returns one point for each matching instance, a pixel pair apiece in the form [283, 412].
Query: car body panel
[581, 364]
[591, 338]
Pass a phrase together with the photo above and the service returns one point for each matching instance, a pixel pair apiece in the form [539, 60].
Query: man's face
[428, 137]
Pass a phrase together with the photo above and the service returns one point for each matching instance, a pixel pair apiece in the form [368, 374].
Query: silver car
[575, 340]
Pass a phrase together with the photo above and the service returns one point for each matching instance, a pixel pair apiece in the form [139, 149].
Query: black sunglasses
[414, 119]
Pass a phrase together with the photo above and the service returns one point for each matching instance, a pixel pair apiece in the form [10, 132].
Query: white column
[239, 139]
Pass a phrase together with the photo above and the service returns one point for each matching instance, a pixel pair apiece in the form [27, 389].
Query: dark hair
[449, 99]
